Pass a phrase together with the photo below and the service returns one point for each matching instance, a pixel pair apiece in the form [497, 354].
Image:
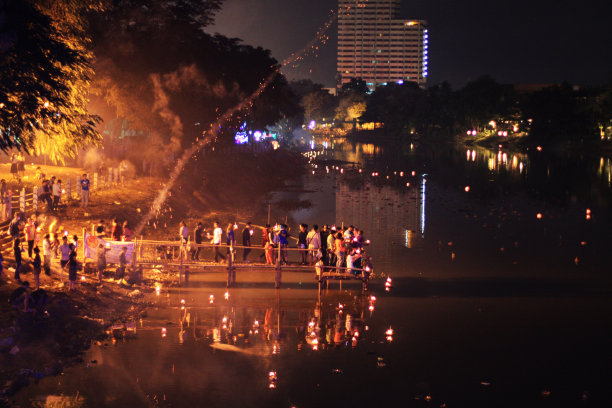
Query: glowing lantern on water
[539, 216]
[467, 189]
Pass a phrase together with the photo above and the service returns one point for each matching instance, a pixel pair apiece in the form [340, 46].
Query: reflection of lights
[372, 298]
[371, 308]
[389, 331]
[273, 378]
[164, 332]
[226, 295]
[224, 320]
[82, 278]
[157, 289]
[211, 299]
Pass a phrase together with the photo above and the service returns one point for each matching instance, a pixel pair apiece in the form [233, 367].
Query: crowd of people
[118, 231]
[330, 247]
[52, 247]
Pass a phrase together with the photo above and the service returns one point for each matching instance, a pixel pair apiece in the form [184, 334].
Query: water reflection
[498, 161]
[331, 320]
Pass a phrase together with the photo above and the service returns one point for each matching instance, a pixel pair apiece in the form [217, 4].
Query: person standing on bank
[17, 253]
[36, 265]
[84, 191]
[30, 234]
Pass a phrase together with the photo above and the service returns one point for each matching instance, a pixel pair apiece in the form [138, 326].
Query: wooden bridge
[174, 255]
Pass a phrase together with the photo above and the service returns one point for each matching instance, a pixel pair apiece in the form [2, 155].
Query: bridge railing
[176, 254]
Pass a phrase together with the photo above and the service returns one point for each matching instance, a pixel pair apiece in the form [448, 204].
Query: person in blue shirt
[231, 239]
[84, 191]
[283, 239]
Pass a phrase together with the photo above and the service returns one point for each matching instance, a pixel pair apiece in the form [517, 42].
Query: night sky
[518, 41]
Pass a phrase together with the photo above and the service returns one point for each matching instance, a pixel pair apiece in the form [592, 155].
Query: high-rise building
[374, 44]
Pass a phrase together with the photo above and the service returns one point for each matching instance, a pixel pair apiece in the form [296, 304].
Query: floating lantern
[467, 189]
[539, 216]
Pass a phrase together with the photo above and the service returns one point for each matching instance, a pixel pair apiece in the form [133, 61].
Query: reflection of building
[374, 208]
[378, 47]
[384, 213]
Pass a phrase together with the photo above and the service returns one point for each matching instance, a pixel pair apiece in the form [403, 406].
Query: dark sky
[537, 41]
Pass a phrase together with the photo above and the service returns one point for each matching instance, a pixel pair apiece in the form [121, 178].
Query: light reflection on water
[483, 292]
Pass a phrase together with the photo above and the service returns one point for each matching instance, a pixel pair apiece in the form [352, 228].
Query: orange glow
[539, 216]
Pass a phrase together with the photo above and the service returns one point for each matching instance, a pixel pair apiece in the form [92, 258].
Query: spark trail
[210, 135]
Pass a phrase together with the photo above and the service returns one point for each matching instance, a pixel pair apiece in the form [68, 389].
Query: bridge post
[181, 265]
[277, 280]
[229, 270]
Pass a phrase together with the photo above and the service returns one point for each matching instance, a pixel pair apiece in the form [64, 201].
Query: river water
[500, 296]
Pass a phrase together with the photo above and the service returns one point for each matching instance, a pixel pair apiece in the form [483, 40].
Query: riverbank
[35, 344]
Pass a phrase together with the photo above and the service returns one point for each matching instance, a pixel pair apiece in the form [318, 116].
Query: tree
[44, 72]
[158, 68]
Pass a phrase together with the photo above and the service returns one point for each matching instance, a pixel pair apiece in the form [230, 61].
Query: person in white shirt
[314, 243]
[184, 237]
[216, 241]
[47, 254]
[57, 193]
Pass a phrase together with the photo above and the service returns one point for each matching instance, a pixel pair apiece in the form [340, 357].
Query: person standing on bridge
[231, 240]
[184, 238]
[198, 234]
[246, 241]
[302, 244]
[314, 244]
[216, 241]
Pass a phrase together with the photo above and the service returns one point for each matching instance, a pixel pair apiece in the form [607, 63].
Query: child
[37, 266]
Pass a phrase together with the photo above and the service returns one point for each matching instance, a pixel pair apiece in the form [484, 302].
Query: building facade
[375, 45]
